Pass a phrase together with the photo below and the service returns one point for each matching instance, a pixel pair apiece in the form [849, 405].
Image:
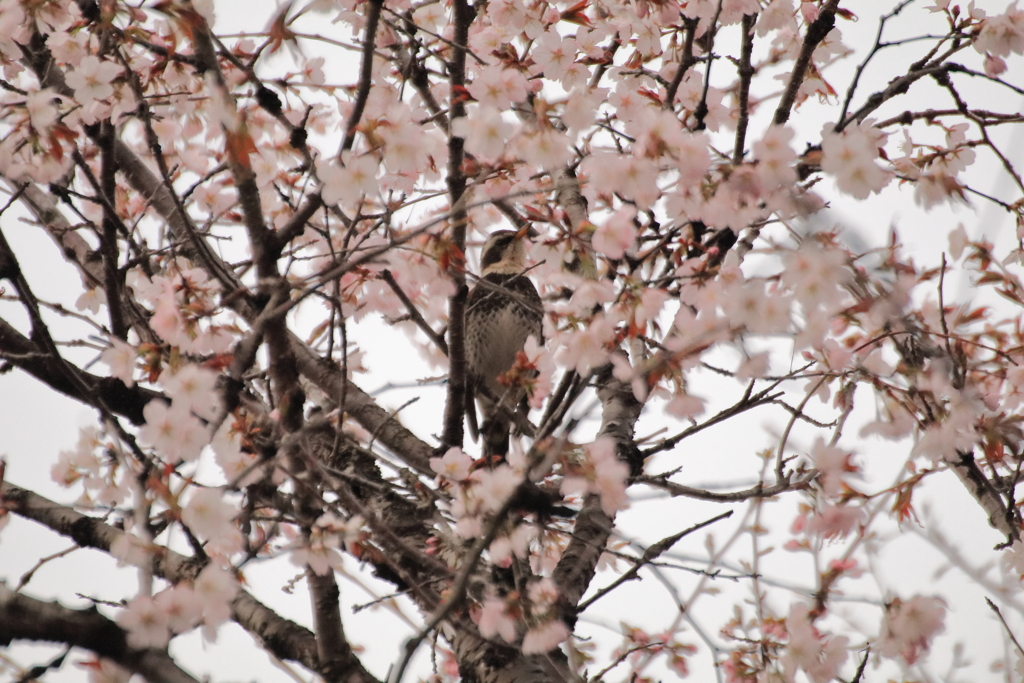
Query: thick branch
[456, 400]
[22, 352]
[24, 618]
[283, 638]
[385, 428]
[576, 568]
[816, 33]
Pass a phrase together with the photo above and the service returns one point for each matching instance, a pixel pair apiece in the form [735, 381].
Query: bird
[502, 311]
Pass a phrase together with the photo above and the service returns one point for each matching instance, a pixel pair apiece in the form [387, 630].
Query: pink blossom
[623, 371]
[582, 106]
[500, 551]
[145, 622]
[628, 103]
[850, 157]
[91, 79]
[659, 134]
[777, 15]
[588, 348]
[210, 517]
[494, 487]
[848, 567]
[832, 464]
[348, 183]
[485, 132]
[636, 179]
[553, 55]
[508, 15]
[494, 620]
[131, 550]
[1002, 34]
[651, 302]
[542, 593]
[91, 300]
[540, 358]
[816, 274]
[180, 606]
[684, 405]
[43, 111]
[774, 157]
[819, 656]
[545, 637]
[958, 241]
[406, 147]
[215, 588]
[236, 464]
[908, 627]
[994, 66]
[518, 544]
[454, 466]
[809, 11]
[173, 431]
[194, 388]
[120, 358]
[589, 293]
[545, 147]
[1013, 559]
[616, 235]
[316, 555]
[748, 304]
[957, 432]
[68, 48]
[497, 88]
[834, 521]
[431, 17]
[754, 367]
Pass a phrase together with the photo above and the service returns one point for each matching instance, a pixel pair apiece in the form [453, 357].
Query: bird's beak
[528, 231]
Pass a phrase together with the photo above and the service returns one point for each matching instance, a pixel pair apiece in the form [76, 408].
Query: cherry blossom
[1002, 34]
[495, 487]
[211, 517]
[486, 133]
[774, 157]
[909, 626]
[349, 182]
[850, 156]
[832, 521]
[173, 431]
[146, 623]
[616, 235]
[120, 358]
[493, 620]
[588, 347]
[553, 55]
[194, 388]
[607, 477]
[818, 656]
[833, 464]
[180, 606]
[496, 88]
[545, 637]
[454, 465]
[91, 79]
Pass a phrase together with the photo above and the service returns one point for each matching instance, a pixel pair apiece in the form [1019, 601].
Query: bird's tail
[495, 431]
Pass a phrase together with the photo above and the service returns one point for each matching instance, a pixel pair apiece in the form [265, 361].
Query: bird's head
[504, 252]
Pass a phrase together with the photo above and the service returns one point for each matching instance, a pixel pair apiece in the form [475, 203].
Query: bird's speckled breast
[497, 326]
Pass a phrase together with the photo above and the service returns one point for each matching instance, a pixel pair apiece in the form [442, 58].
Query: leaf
[278, 30]
[239, 146]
